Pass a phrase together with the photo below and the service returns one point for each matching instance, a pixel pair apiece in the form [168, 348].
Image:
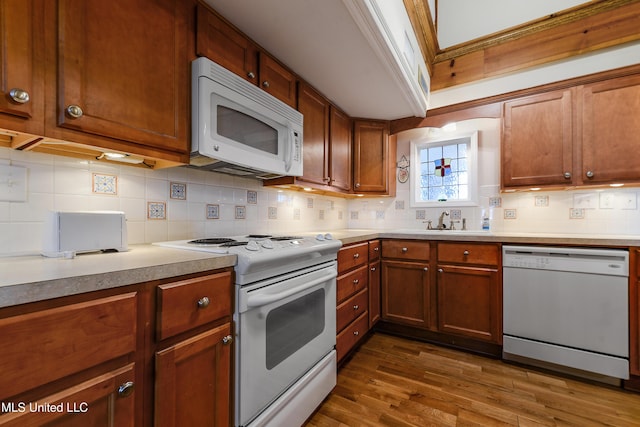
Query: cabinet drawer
[351, 283]
[350, 336]
[47, 345]
[194, 302]
[349, 310]
[405, 249]
[469, 253]
[352, 256]
[374, 250]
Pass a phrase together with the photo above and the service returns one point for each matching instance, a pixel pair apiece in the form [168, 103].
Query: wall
[168, 204]
[609, 211]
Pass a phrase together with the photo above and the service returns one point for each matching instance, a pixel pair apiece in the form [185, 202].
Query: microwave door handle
[264, 299]
[289, 151]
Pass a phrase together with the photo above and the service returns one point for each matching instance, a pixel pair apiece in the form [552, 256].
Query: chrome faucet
[441, 225]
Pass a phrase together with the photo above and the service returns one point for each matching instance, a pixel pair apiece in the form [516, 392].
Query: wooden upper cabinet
[222, 43]
[374, 157]
[21, 69]
[315, 109]
[120, 70]
[277, 80]
[610, 131]
[537, 145]
[340, 142]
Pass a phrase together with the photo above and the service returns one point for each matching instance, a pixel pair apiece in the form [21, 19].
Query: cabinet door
[21, 69]
[122, 73]
[374, 293]
[106, 400]
[371, 157]
[610, 131]
[193, 381]
[277, 80]
[406, 293]
[538, 140]
[219, 41]
[634, 311]
[469, 302]
[315, 109]
[340, 150]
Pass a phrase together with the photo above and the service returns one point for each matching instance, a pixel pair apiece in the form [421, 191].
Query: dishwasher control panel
[612, 262]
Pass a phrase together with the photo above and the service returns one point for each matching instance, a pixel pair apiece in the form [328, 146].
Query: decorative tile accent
[241, 212]
[296, 214]
[354, 214]
[456, 214]
[213, 211]
[510, 214]
[495, 202]
[156, 210]
[178, 191]
[379, 214]
[309, 202]
[399, 205]
[542, 201]
[576, 213]
[321, 214]
[104, 184]
[273, 212]
[421, 214]
[252, 197]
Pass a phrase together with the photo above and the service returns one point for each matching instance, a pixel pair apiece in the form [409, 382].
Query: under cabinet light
[616, 185]
[120, 157]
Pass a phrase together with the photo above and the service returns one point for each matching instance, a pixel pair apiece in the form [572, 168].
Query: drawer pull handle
[19, 96]
[126, 389]
[356, 333]
[426, 269]
[440, 270]
[405, 250]
[465, 253]
[227, 340]
[356, 281]
[373, 269]
[356, 256]
[203, 302]
[376, 249]
[355, 307]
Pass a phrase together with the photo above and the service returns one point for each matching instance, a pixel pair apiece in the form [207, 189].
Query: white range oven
[285, 319]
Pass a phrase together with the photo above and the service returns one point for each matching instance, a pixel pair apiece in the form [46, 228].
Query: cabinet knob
[251, 75]
[357, 185]
[74, 111]
[203, 302]
[373, 269]
[19, 95]
[126, 389]
[356, 281]
[440, 270]
[356, 333]
[465, 253]
[589, 174]
[356, 256]
[567, 175]
[355, 307]
[376, 249]
[404, 250]
[426, 269]
[227, 340]
[265, 84]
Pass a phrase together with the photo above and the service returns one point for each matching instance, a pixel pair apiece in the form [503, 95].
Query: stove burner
[286, 238]
[258, 236]
[211, 241]
[233, 243]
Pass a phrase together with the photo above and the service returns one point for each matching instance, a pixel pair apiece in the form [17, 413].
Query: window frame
[472, 169]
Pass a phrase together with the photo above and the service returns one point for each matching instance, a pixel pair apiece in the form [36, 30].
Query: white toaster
[68, 233]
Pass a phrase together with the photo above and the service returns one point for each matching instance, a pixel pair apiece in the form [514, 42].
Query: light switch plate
[13, 183]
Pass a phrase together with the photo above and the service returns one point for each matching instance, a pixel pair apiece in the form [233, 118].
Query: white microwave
[239, 129]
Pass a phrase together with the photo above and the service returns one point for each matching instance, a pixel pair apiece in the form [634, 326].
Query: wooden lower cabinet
[193, 381]
[634, 313]
[406, 293]
[90, 357]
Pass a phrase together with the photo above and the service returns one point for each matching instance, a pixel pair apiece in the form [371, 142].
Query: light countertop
[26, 279]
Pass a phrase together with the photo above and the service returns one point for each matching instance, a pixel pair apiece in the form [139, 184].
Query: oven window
[246, 130]
[291, 326]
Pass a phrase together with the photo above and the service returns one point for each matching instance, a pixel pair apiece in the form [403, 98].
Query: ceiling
[323, 44]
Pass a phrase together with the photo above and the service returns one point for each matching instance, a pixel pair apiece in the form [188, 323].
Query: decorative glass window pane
[445, 171]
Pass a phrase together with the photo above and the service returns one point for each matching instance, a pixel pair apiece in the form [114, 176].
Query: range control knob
[252, 246]
[267, 244]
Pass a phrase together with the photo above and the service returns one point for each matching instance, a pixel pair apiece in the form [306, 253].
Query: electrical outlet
[13, 183]
[607, 200]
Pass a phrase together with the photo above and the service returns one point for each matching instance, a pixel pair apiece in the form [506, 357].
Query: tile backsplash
[167, 204]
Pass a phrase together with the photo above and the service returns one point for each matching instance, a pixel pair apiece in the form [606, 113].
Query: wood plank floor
[391, 381]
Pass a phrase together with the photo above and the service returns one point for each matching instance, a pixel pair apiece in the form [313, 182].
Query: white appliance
[240, 129]
[567, 307]
[285, 324]
[68, 233]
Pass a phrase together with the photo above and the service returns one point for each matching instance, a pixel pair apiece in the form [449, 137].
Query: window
[444, 171]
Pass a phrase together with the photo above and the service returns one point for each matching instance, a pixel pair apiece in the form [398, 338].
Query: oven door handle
[264, 299]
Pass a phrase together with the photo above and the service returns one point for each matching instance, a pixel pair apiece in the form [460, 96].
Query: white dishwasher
[567, 307]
